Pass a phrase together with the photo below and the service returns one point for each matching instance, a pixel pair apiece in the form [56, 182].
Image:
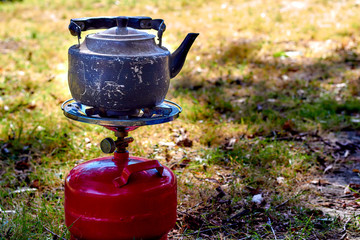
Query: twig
[189, 209]
[54, 234]
[245, 238]
[347, 196]
[314, 232]
[282, 204]
[322, 139]
[240, 214]
[345, 228]
[261, 237]
[285, 202]
[345, 225]
[196, 205]
[272, 229]
[343, 236]
[52, 152]
[292, 138]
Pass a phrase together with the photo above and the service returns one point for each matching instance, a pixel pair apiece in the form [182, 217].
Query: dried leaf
[192, 222]
[253, 191]
[182, 139]
[184, 142]
[351, 188]
[184, 163]
[288, 126]
[35, 184]
[213, 180]
[221, 192]
[167, 144]
[320, 182]
[355, 204]
[280, 180]
[328, 168]
[327, 204]
[24, 189]
[31, 106]
[354, 186]
[23, 164]
[347, 190]
[229, 144]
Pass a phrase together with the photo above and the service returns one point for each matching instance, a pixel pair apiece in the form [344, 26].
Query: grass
[258, 74]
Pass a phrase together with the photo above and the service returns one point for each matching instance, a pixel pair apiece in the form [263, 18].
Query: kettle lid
[122, 33]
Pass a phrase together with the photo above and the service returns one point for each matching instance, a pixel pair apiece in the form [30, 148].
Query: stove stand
[165, 112]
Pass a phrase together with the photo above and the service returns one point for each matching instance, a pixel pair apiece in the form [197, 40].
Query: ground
[266, 146]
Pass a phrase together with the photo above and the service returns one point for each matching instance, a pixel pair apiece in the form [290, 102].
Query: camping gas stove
[120, 196]
[119, 78]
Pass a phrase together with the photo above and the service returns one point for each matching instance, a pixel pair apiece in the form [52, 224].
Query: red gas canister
[120, 198]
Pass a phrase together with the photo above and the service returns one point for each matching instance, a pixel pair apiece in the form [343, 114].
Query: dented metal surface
[123, 68]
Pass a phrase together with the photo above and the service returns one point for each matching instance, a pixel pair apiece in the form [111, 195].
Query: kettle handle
[77, 25]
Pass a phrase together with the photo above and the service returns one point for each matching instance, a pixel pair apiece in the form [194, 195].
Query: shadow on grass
[25, 150]
[275, 97]
[276, 89]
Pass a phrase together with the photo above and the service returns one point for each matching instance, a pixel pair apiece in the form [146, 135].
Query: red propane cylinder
[120, 198]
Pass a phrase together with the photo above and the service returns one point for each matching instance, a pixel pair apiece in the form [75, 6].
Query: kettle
[122, 68]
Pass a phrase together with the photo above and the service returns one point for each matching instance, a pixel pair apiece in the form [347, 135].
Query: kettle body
[122, 68]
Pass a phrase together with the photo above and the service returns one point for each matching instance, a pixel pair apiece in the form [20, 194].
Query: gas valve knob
[108, 145]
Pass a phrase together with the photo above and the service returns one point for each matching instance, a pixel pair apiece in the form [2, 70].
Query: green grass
[258, 73]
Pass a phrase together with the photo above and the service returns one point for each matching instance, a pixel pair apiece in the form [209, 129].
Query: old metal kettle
[122, 68]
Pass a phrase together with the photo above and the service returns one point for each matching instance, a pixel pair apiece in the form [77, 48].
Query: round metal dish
[76, 111]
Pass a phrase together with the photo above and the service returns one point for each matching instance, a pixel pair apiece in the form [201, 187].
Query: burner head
[160, 110]
[102, 112]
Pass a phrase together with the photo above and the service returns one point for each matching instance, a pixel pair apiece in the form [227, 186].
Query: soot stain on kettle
[137, 71]
[112, 87]
[138, 64]
[120, 69]
[82, 85]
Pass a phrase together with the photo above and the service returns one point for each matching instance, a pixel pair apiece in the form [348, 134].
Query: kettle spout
[178, 57]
